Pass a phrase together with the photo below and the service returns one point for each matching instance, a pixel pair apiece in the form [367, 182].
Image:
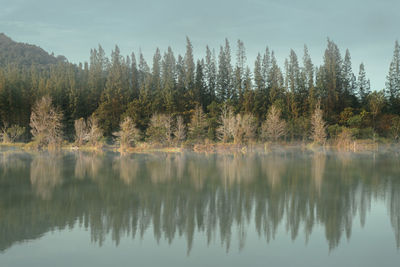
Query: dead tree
[81, 131]
[46, 123]
[227, 124]
[95, 133]
[273, 127]
[128, 135]
[180, 130]
[318, 126]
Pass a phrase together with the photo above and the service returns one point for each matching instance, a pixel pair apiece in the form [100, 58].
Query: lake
[290, 208]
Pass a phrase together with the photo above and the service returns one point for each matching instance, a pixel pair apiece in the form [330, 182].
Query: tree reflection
[46, 174]
[183, 194]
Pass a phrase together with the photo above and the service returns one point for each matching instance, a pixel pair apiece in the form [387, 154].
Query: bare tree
[227, 123]
[273, 127]
[95, 133]
[180, 131]
[46, 123]
[128, 134]
[81, 131]
[244, 128]
[318, 126]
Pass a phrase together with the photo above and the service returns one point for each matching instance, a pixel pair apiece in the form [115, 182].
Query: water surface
[188, 209]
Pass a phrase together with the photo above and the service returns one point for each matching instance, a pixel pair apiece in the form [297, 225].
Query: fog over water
[185, 205]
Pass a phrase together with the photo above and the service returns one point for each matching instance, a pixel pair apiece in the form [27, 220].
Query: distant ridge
[24, 55]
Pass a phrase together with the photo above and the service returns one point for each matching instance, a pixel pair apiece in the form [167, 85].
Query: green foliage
[395, 128]
[198, 125]
[116, 87]
[334, 130]
[12, 134]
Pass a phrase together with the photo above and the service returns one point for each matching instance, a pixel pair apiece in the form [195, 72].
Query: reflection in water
[46, 174]
[180, 194]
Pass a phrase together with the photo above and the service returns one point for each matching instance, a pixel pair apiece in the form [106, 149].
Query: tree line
[218, 97]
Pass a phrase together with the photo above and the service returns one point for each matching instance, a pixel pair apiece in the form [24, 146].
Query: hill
[22, 54]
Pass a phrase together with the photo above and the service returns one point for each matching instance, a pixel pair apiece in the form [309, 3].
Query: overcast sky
[367, 28]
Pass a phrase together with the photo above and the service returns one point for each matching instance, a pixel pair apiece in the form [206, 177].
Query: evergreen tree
[199, 86]
[260, 104]
[134, 77]
[332, 79]
[275, 82]
[363, 85]
[156, 95]
[308, 74]
[189, 66]
[349, 81]
[393, 80]
[239, 72]
[210, 72]
[169, 81]
[294, 85]
[225, 73]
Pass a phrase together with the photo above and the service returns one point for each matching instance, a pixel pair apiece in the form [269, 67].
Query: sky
[368, 28]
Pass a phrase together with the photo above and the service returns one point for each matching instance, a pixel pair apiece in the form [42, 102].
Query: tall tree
[189, 66]
[275, 81]
[168, 81]
[332, 80]
[199, 86]
[363, 85]
[260, 104]
[210, 72]
[349, 82]
[308, 74]
[225, 73]
[239, 72]
[116, 94]
[393, 80]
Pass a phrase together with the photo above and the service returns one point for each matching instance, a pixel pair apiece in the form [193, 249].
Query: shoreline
[356, 146]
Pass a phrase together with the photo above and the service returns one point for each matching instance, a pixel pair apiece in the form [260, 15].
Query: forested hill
[110, 88]
[22, 54]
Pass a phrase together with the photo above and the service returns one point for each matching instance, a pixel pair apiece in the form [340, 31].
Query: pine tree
[189, 66]
[210, 72]
[332, 79]
[308, 76]
[363, 85]
[224, 73]
[260, 104]
[239, 72]
[393, 80]
[349, 81]
[168, 81]
[275, 81]
[156, 95]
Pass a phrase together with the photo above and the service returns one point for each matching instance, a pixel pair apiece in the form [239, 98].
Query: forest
[180, 99]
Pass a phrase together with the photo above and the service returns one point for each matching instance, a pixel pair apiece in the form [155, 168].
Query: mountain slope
[22, 54]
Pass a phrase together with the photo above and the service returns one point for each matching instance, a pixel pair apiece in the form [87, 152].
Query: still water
[188, 209]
